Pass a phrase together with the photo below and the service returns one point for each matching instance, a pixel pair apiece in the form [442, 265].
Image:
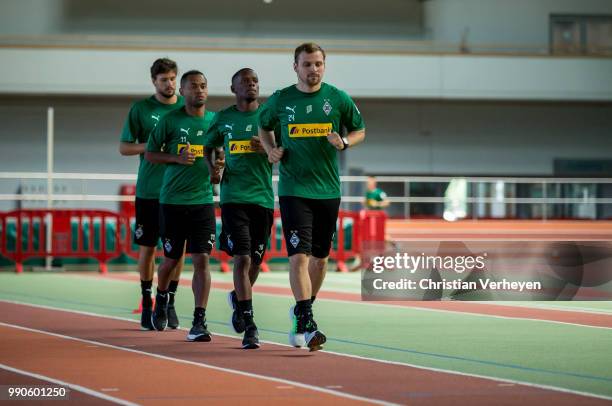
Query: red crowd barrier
[76, 234]
[103, 235]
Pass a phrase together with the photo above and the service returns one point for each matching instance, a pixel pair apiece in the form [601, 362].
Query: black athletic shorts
[146, 229]
[246, 230]
[192, 223]
[309, 225]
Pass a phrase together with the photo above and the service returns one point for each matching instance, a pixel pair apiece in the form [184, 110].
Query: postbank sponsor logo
[241, 147]
[309, 130]
[197, 150]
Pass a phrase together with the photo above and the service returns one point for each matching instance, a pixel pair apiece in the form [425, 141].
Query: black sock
[302, 306]
[246, 306]
[199, 313]
[172, 291]
[162, 297]
[146, 288]
[312, 299]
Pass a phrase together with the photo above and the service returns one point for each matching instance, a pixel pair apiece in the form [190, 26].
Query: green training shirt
[377, 195]
[142, 119]
[183, 184]
[247, 177]
[309, 167]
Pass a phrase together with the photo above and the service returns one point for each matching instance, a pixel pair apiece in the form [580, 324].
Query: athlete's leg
[173, 226]
[299, 278]
[200, 284]
[201, 240]
[146, 235]
[146, 263]
[242, 279]
[173, 320]
[324, 228]
[317, 269]
[297, 216]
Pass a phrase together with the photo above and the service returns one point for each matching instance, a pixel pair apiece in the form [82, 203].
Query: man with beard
[142, 119]
[247, 199]
[187, 211]
[311, 114]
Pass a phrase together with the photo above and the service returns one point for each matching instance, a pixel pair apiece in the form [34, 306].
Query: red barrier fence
[104, 235]
[75, 234]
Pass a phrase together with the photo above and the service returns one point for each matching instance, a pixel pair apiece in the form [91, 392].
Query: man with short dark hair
[247, 199]
[187, 211]
[311, 114]
[142, 119]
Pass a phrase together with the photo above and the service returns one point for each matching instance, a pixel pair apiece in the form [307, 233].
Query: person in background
[375, 198]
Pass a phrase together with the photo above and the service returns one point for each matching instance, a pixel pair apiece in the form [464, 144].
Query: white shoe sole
[248, 346]
[192, 337]
[315, 340]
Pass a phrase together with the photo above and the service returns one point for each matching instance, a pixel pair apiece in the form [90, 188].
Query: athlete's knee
[243, 262]
[318, 263]
[147, 252]
[168, 264]
[200, 262]
[298, 260]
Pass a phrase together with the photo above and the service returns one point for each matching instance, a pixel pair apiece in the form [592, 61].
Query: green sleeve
[214, 137]
[158, 136]
[351, 116]
[268, 119]
[132, 126]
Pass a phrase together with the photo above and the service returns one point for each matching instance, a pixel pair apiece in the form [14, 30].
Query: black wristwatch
[345, 143]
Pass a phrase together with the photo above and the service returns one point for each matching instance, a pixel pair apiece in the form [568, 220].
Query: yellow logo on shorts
[241, 147]
[197, 150]
[309, 130]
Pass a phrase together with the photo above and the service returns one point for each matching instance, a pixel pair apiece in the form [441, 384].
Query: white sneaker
[295, 339]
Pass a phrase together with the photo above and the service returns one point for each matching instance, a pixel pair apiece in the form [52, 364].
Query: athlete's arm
[352, 120]
[186, 157]
[219, 157]
[208, 158]
[352, 138]
[269, 144]
[267, 140]
[355, 137]
[213, 168]
[130, 148]
[256, 145]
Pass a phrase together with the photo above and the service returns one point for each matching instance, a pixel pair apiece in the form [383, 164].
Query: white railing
[86, 178]
[455, 204]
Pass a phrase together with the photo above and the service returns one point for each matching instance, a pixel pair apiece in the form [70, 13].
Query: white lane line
[203, 365]
[404, 364]
[72, 386]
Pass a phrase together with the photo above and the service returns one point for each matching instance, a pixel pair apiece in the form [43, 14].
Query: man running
[187, 211]
[247, 199]
[311, 114]
[142, 119]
